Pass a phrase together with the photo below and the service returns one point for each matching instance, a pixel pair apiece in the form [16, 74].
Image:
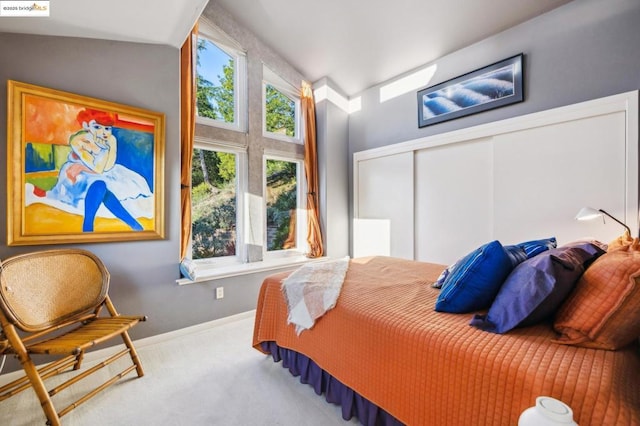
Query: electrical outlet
[219, 292]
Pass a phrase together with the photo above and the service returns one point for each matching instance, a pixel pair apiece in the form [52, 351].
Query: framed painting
[490, 87]
[81, 170]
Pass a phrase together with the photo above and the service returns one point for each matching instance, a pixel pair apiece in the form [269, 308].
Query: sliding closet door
[544, 175]
[454, 199]
[384, 190]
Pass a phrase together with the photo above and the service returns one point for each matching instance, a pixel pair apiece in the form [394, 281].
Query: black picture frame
[486, 88]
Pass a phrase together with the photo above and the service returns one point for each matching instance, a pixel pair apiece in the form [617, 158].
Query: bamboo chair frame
[51, 303]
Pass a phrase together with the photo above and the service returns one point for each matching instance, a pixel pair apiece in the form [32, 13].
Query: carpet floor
[210, 377]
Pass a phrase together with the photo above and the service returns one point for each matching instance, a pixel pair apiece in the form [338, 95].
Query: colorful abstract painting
[83, 169]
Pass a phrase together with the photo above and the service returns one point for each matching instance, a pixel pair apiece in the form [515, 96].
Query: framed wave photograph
[81, 169]
[489, 87]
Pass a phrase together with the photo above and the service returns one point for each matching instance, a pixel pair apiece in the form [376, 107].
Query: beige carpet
[210, 377]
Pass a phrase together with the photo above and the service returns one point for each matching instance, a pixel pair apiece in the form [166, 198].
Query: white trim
[301, 217]
[249, 268]
[286, 89]
[625, 102]
[209, 142]
[625, 105]
[233, 49]
[215, 34]
[241, 189]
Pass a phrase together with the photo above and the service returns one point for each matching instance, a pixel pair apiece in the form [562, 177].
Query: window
[285, 215]
[236, 230]
[216, 208]
[281, 108]
[220, 79]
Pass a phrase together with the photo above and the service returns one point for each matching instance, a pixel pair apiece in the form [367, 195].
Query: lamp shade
[589, 213]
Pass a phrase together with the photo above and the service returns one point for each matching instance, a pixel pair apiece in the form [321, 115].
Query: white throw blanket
[312, 290]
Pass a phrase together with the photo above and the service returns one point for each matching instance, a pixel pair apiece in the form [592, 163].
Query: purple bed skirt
[335, 392]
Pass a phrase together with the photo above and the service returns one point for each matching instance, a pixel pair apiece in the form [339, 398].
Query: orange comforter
[384, 340]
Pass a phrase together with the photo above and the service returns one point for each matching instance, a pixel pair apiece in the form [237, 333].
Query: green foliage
[224, 93]
[213, 222]
[281, 182]
[280, 112]
[212, 167]
[280, 172]
[215, 101]
[227, 166]
[213, 204]
[279, 216]
[204, 95]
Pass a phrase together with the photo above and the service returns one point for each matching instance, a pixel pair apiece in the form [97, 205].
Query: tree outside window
[215, 96]
[213, 204]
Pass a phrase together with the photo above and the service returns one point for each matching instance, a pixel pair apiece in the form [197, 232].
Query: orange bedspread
[384, 340]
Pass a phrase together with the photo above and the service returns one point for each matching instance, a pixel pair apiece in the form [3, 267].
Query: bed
[387, 357]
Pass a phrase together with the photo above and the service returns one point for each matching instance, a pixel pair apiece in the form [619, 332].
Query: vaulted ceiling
[356, 44]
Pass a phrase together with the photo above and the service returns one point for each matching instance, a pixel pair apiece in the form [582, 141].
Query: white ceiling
[356, 44]
[141, 21]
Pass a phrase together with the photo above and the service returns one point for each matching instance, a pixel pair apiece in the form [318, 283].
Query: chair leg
[40, 390]
[133, 353]
[32, 373]
[125, 337]
[78, 363]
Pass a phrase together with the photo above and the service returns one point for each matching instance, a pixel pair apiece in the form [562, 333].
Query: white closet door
[454, 199]
[544, 175]
[385, 191]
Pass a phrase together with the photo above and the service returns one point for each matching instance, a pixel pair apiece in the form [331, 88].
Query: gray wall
[143, 274]
[333, 141]
[584, 50]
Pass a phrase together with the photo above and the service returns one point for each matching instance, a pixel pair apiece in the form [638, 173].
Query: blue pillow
[528, 249]
[517, 253]
[475, 280]
[537, 287]
[188, 269]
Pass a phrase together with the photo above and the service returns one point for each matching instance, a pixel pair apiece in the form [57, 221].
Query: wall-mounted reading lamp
[589, 213]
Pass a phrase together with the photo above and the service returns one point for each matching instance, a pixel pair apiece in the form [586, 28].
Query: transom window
[281, 108]
[220, 79]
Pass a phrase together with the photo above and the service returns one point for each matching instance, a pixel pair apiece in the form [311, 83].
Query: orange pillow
[622, 241]
[604, 309]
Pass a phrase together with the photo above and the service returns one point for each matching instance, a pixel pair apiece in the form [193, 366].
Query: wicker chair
[50, 304]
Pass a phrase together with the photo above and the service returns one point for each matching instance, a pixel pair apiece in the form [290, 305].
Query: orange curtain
[314, 234]
[187, 133]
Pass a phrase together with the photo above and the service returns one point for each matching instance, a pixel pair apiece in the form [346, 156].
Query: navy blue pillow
[474, 281]
[535, 247]
[528, 249]
[517, 253]
[537, 287]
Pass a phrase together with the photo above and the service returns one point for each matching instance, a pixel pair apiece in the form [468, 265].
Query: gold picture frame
[81, 170]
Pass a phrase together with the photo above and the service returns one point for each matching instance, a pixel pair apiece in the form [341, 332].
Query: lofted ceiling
[356, 44]
[141, 21]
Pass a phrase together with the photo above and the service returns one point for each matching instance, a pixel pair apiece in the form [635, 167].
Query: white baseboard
[101, 354]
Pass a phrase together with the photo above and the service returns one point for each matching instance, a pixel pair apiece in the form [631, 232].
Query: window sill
[210, 274]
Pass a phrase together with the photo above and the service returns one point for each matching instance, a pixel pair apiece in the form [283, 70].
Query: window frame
[301, 207]
[272, 79]
[216, 36]
[241, 213]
